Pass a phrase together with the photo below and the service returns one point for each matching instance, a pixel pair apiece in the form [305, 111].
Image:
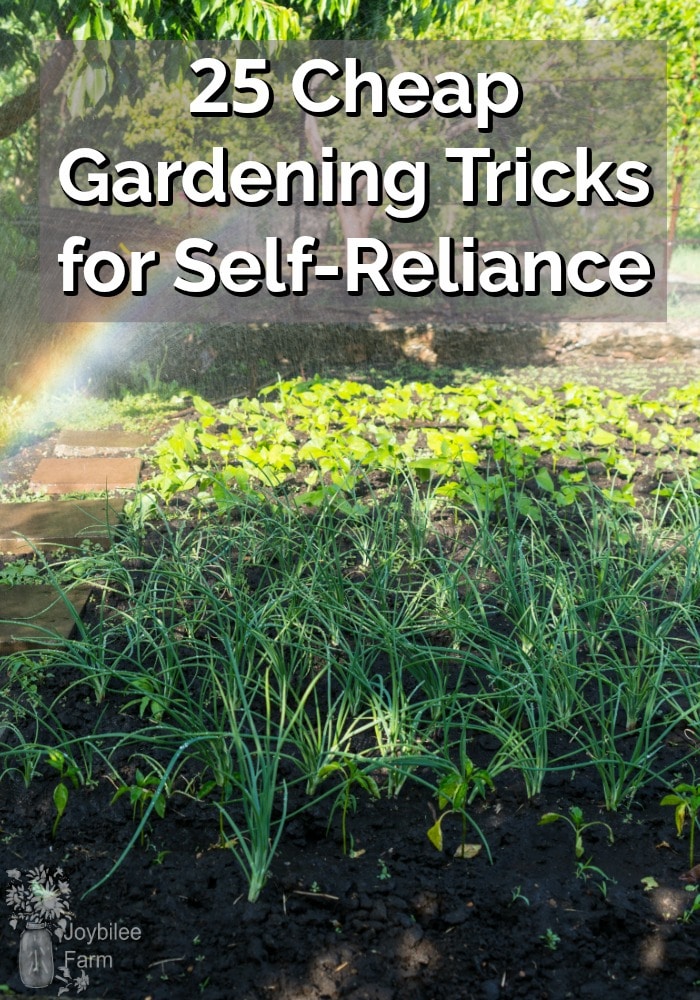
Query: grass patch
[23, 420]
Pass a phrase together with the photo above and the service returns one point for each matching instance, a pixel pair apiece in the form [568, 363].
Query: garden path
[82, 462]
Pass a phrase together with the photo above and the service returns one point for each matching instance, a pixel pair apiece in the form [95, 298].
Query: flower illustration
[39, 897]
[50, 906]
[14, 897]
[80, 983]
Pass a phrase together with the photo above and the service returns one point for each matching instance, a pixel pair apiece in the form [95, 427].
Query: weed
[19, 572]
[550, 939]
[517, 894]
[586, 871]
[383, 874]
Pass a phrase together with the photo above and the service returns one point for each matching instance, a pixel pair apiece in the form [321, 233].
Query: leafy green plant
[586, 871]
[686, 800]
[690, 911]
[576, 821]
[550, 939]
[141, 792]
[60, 801]
[61, 792]
[338, 429]
[384, 874]
[19, 572]
[458, 788]
[352, 778]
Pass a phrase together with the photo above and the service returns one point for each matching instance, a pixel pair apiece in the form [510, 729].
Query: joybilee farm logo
[40, 900]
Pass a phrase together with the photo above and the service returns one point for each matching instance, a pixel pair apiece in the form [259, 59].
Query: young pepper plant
[575, 821]
[458, 788]
[352, 777]
[61, 793]
[686, 799]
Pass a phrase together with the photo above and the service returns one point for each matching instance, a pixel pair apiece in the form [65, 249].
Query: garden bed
[305, 735]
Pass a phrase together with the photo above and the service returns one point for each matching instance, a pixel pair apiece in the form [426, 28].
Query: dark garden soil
[396, 921]
[399, 921]
[393, 919]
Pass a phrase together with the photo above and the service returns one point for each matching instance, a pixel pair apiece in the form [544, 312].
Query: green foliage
[458, 788]
[61, 793]
[686, 800]
[142, 791]
[384, 874]
[516, 20]
[329, 434]
[352, 777]
[215, 19]
[19, 572]
[694, 907]
[578, 826]
[66, 770]
[586, 871]
[550, 939]
[60, 801]
[277, 652]
[677, 23]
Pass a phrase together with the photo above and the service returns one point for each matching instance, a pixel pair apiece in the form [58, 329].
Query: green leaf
[60, 798]
[681, 813]
[602, 438]
[544, 480]
[548, 818]
[448, 788]
[79, 28]
[367, 782]
[435, 834]
[76, 96]
[96, 83]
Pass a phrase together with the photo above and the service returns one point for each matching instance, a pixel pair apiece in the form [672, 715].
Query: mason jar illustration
[36, 956]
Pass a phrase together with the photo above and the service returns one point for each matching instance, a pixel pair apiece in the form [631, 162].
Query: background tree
[25, 24]
[676, 22]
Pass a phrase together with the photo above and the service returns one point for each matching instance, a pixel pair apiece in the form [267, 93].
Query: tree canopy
[24, 24]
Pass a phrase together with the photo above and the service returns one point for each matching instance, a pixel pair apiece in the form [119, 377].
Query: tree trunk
[676, 198]
[20, 108]
[355, 220]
